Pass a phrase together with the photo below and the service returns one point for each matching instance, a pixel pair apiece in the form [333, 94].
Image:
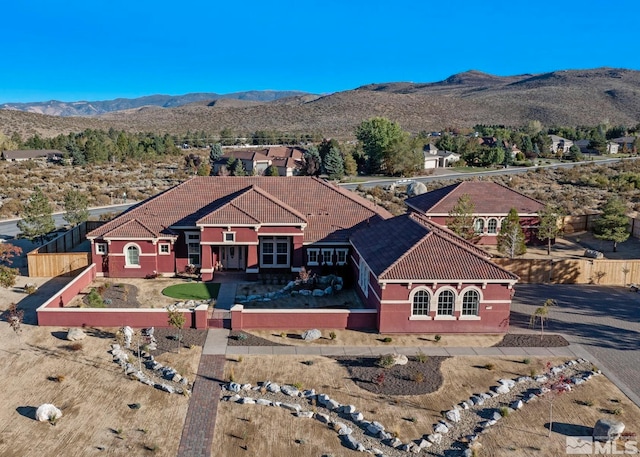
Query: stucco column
[206, 262]
[297, 257]
[252, 258]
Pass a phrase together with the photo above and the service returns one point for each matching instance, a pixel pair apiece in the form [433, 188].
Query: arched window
[470, 303]
[446, 299]
[478, 225]
[421, 301]
[492, 225]
[132, 255]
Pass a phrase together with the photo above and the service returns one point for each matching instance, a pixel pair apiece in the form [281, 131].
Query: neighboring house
[288, 160]
[585, 147]
[418, 276]
[434, 158]
[559, 144]
[19, 155]
[625, 142]
[423, 278]
[492, 204]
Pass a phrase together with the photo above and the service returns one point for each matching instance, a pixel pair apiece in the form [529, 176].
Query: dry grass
[92, 393]
[361, 338]
[463, 377]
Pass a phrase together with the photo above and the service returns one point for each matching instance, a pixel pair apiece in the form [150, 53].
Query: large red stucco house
[492, 203]
[420, 277]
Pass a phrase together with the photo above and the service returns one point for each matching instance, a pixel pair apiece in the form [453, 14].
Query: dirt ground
[149, 293]
[362, 338]
[93, 395]
[274, 431]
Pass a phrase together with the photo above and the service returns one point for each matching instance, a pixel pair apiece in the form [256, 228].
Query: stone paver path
[197, 434]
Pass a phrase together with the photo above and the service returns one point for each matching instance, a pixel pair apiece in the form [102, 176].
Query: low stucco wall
[52, 312]
[353, 319]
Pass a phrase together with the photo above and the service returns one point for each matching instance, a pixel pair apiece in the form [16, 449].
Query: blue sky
[102, 49]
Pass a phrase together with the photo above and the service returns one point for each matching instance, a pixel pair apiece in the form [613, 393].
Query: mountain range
[566, 97]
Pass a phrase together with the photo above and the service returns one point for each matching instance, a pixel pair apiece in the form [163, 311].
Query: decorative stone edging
[326, 285]
[460, 424]
[122, 358]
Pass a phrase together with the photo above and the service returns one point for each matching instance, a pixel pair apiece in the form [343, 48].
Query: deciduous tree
[37, 219]
[75, 207]
[548, 228]
[376, 136]
[612, 223]
[460, 219]
[511, 236]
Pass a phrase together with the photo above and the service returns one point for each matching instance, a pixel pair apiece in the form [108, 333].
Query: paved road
[603, 321]
[9, 229]
[447, 173]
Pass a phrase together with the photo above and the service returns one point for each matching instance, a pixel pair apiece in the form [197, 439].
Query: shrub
[421, 357]
[533, 372]
[385, 361]
[57, 378]
[232, 375]
[74, 347]
[240, 359]
[333, 335]
[30, 289]
[308, 362]
[587, 402]
[489, 366]
[617, 412]
[437, 338]
[242, 337]
[283, 334]
[107, 302]
[411, 419]
[387, 339]
[504, 411]
[418, 377]
[94, 299]
[526, 361]
[297, 385]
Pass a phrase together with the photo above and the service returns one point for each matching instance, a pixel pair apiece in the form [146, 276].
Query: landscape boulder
[453, 415]
[400, 359]
[311, 335]
[128, 336]
[607, 430]
[416, 188]
[47, 412]
[76, 334]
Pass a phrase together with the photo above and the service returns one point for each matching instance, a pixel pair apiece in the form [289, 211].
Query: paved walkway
[197, 434]
[226, 296]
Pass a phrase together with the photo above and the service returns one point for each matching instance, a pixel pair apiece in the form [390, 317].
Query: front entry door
[233, 257]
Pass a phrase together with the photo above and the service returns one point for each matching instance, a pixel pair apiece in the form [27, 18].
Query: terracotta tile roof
[131, 229]
[488, 197]
[253, 206]
[410, 247]
[332, 213]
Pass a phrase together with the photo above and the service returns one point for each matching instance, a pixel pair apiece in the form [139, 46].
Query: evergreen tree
[612, 223]
[376, 136]
[37, 219]
[75, 207]
[334, 164]
[548, 228]
[238, 168]
[511, 236]
[312, 162]
[215, 154]
[460, 219]
[272, 171]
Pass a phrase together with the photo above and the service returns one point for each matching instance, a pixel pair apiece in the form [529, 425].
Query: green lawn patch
[193, 291]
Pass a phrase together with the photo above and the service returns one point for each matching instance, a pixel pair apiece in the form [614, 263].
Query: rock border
[460, 428]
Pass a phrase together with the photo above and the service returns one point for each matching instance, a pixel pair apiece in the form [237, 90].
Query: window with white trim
[101, 248]
[229, 237]
[327, 256]
[132, 256]
[470, 303]
[363, 277]
[164, 248]
[313, 256]
[341, 256]
[446, 300]
[193, 248]
[478, 225]
[274, 252]
[421, 300]
[492, 226]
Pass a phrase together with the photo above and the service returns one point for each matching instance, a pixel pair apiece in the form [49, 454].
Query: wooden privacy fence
[574, 271]
[54, 259]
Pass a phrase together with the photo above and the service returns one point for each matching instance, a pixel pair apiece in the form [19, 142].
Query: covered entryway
[233, 257]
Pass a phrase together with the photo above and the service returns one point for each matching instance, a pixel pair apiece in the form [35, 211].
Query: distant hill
[94, 108]
[570, 97]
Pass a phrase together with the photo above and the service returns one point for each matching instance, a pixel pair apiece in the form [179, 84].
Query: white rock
[440, 428]
[47, 412]
[76, 334]
[311, 335]
[517, 404]
[435, 438]
[453, 415]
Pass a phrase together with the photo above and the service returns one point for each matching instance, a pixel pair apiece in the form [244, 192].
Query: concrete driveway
[604, 321]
